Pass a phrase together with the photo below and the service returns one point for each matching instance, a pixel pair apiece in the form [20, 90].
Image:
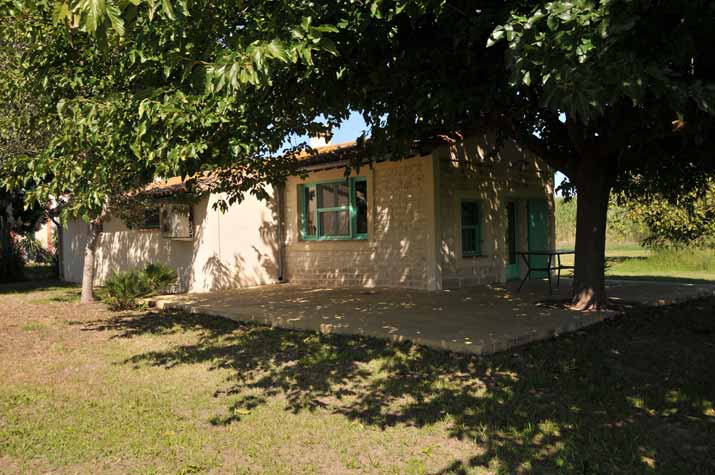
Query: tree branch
[557, 151]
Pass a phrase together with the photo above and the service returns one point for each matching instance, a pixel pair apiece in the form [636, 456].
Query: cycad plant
[124, 288]
[159, 276]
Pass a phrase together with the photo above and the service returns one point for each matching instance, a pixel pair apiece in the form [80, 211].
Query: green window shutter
[301, 211]
[471, 219]
[478, 230]
[353, 211]
[306, 222]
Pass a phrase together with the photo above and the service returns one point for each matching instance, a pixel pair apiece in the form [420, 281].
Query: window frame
[476, 229]
[155, 225]
[351, 208]
[144, 223]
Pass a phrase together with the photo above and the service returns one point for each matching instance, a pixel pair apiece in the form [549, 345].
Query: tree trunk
[88, 268]
[593, 187]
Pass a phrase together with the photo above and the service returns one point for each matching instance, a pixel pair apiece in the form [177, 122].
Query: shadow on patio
[631, 395]
[478, 320]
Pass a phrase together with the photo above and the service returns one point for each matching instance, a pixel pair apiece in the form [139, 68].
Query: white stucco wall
[232, 249]
[74, 240]
[120, 248]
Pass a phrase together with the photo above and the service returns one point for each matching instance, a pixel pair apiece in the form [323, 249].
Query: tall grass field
[625, 257]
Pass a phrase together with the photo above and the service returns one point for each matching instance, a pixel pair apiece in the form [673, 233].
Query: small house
[454, 216]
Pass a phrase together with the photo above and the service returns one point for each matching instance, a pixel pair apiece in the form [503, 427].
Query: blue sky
[354, 127]
[350, 129]
[347, 132]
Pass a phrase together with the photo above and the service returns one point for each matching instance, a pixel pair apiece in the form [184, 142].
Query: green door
[538, 233]
[512, 241]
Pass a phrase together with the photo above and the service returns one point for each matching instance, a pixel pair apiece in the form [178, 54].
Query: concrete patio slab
[476, 320]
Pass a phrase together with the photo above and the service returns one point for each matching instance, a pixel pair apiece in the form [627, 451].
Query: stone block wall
[476, 170]
[400, 249]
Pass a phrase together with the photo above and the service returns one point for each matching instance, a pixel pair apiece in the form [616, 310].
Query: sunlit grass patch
[151, 392]
[634, 261]
[669, 262]
[33, 326]
[59, 295]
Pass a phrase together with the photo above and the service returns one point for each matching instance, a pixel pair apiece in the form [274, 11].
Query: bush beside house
[123, 290]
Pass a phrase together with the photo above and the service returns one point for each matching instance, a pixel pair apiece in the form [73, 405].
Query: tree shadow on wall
[601, 401]
[218, 274]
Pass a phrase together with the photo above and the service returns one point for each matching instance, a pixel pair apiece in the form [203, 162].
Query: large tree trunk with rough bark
[89, 257]
[593, 187]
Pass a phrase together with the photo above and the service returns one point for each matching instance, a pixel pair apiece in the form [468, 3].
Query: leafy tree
[637, 89]
[612, 93]
[624, 226]
[136, 96]
[15, 219]
[19, 134]
[686, 220]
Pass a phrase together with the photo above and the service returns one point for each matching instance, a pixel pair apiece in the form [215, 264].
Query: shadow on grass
[62, 295]
[656, 278]
[632, 395]
[34, 285]
[35, 271]
[622, 259]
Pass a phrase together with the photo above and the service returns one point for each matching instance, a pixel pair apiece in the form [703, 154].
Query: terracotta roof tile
[326, 149]
[322, 154]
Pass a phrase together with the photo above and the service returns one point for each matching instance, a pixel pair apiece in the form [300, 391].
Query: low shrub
[159, 276]
[123, 290]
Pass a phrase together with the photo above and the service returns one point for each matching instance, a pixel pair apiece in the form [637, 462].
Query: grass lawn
[683, 264]
[635, 262]
[85, 390]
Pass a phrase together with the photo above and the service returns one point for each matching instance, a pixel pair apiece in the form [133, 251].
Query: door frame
[522, 200]
[542, 260]
[512, 271]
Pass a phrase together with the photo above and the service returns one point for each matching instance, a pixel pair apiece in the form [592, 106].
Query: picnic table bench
[553, 263]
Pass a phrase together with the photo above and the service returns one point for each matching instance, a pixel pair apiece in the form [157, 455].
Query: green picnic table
[553, 263]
